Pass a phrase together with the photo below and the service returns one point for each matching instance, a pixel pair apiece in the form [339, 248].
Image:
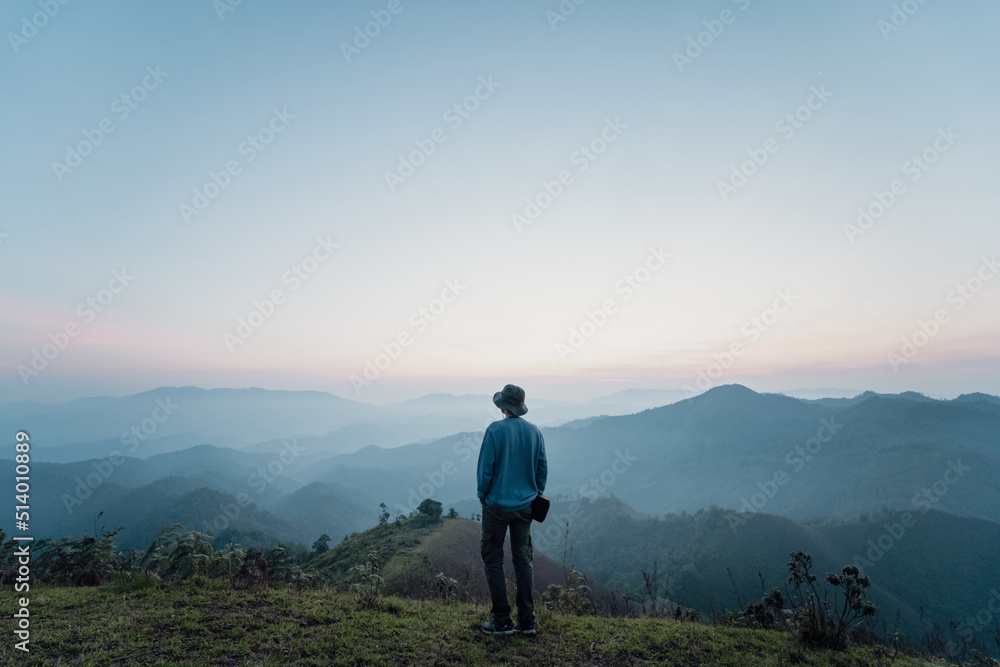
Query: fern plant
[80, 561]
[177, 554]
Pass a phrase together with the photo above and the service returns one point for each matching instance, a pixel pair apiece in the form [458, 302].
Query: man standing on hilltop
[512, 472]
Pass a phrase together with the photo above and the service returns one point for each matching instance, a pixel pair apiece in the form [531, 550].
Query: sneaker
[525, 629]
[497, 628]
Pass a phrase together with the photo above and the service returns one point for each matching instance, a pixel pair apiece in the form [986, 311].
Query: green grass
[389, 540]
[211, 624]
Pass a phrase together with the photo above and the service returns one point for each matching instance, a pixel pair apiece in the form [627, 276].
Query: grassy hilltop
[153, 617]
[192, 623]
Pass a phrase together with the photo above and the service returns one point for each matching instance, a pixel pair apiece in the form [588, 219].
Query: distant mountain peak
[906, 396]
[730, 391]
[189, 391]
[979, 396]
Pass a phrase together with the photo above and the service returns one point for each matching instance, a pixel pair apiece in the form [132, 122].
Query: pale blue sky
[656, 185]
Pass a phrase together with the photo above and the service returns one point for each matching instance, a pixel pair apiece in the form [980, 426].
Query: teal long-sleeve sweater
[512, 466]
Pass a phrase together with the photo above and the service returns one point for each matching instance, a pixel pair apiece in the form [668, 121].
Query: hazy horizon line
[804, 393]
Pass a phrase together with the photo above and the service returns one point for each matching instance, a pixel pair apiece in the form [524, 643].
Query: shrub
[81, 561]
[430, 508]
[176, 555]
[574, 598]
[817, 621]
[367, 581]
[447, 587]
[281, 567]
[252, 572]
[768, 613]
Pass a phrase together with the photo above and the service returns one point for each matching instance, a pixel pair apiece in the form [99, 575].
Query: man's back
[512, 472]
[512, 466]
